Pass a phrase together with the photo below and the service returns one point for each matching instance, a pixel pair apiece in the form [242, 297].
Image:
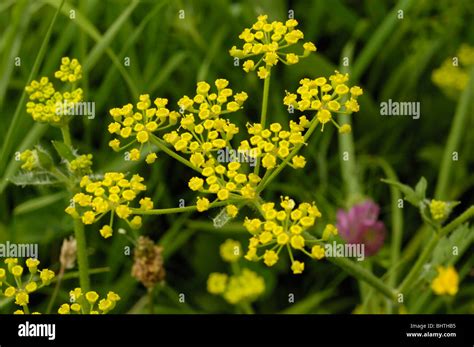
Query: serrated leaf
[36, 178]
[64, 151]
[407, 191]
[420, 188]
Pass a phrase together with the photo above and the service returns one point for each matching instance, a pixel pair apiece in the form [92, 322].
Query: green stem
[82, 260]
[360, 273]
[396, 219]
[346, 144]
[428, 249]
[454, 138]
[265, 182]
[66, 135]
[151, 301]
[179, 209]
[8, 140]
[263, 114]
[247, 308]
[162, 145]
[56, 290]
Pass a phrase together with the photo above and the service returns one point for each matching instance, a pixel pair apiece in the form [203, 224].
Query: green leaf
[44, 158]
[420, 189]
[409, 193]
[36, 178]
[64, 151]
[449, 249]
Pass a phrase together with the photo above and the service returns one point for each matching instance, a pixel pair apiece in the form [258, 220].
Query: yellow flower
[216, 283]
[195, 183]
[232, 210]
[31, 287]
[438, 209]
[322, 96]
[88, 217]
[64, 309]
[317, 252]
[146, 204]
[17, 271]
[202, 204]
[46, 276]
[22, 298]
[297, 242]
[47, 105]
[81, 165]
[447, 281]
[150, 158]
[223, 194]
[263, 73]
[123, 211]
[285, 226]
[297, 267]
[230, 251]
[268, 39]
[69, 71]
[136, 222]
[134, 154]
[270, 258]
[298, 161]
[79, 306]
[328, 231]
[113, 193]
[9, 292]
[345, 129]
[245, 287]
[106, 231]
[105, 305]
[92, 297]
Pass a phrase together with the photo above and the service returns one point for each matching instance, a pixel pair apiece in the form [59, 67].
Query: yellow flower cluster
[86, 303]
[438, 209]
[446, 282]
[30, 160]
[138, 126]
[269, 42]
[69, 71]
[211, 105]
[244, 286]
[276, 143]
[202, 138]
[326, 97]
[283, 228]
[15, 287]
[45, 103]
[113, 193]
[226, 182]
[81, 165]
[453, 77]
